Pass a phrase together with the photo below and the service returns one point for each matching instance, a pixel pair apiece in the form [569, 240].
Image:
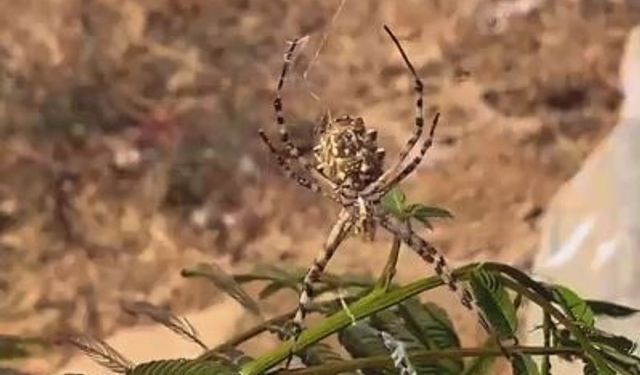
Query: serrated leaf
[390, 322]
[610, 309]
[224, 282]
[430, 323]
[630, 363]
[319, 354]
[494, 301]
[420, 212]
[574, 306]
[100, 352]
[432, 327]
[621, 344]
[523, 365]
[179, 325]
[395, 203]
[361, 341]
[181, 367]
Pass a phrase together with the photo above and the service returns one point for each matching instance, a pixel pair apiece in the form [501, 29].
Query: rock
[591, 231]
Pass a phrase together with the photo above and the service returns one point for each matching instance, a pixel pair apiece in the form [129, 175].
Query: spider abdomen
[347, 152]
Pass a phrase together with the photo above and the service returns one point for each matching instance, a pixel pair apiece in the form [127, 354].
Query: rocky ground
[129, 145]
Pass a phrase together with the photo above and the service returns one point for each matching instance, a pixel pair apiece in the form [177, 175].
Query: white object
[591, 231]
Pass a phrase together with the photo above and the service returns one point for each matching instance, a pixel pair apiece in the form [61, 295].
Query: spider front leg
[419, 117]
[308, 183]
[377, 194]
[337, 234]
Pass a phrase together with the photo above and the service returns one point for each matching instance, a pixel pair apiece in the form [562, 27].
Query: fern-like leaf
[390, 322]
[181, 367]
[494, 301]
[360, 340]
[177, 324]
[225, 282]
[319, 354]
[574, 306]
[100, 352]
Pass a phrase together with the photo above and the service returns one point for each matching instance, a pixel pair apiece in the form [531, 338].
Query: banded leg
[431, 255]
[419, 119]
[308, 183]
[410, 167]
[336, 236]
[293, 150]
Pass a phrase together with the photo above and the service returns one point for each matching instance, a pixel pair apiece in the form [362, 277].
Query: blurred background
[128, 145]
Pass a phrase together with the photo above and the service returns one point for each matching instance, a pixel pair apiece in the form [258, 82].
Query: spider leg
[431, 255]
[291, 148]
[383, 189]
[337, 234]
[308, 183]
[419, 118]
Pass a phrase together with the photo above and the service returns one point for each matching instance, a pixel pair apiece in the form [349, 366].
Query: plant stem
[251, 332]
[546, 329]
[425, 356]
[373, 302]
[551, 310]
[389, 271]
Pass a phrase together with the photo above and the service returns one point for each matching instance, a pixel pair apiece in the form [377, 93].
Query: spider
[348, 169]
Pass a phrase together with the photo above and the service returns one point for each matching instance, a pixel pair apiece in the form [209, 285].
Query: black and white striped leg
[337, 234]
[293, 150]
[419, 117]
[431, 255]
[306, 182]
[376, 196]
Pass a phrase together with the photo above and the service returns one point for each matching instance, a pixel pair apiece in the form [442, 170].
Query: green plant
[386, 329]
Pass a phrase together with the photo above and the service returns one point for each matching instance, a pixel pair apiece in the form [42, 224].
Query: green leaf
[610, 309]
[481, 366]
[430, 324]
[395, 203]
[523, 365]
[388, 321]
[574, 306]
[225, 282]
[421, 212]
[319, 354]
[621, 344]
[628, 362]
[270, 290]
[181, 367]
[494, 300]
[361, 341]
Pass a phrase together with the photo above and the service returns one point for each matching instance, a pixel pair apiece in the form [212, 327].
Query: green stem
[373, 302]
[378, 300]
[559, 316]
[389, 271]
[424, 356]
[546, 329]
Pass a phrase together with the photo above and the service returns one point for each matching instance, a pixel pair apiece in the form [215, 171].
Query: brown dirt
[83, 223]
